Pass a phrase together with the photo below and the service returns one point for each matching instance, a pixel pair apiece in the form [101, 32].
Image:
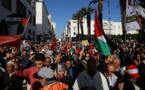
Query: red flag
[67, 46]
[66, 49]
[11, 40]
[53, 45]
[25, 21]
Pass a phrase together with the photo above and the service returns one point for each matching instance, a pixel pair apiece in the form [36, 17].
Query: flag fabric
[11, 40]
[100, 41]
[17, 20]
[54, 44]
[133, 10]
[67, 47]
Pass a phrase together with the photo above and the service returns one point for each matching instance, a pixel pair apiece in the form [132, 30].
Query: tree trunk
[100, 8]
[123, 17]
[89, 27]
[78, 30]
[82, 31]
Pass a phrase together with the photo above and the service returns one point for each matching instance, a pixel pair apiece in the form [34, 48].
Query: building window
[34, 21]
[74, 28]
[20, 9]
[7, 4]
[24, 11]
[29, 34]
[30, 21]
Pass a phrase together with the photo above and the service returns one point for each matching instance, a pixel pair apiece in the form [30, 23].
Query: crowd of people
[58, 65]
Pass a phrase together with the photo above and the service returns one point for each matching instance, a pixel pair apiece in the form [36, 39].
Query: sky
[62, 10]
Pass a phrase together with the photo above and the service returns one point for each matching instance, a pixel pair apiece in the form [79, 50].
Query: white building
[18, 7]
[43, 21]
[54, 27]
[71, 28]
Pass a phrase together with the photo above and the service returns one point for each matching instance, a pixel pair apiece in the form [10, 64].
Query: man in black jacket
[10, 80]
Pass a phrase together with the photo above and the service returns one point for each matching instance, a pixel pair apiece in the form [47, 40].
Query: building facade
[21, 8]
[110, 28]
[43, 21]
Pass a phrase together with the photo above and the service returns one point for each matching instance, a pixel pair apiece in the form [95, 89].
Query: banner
[131, 16]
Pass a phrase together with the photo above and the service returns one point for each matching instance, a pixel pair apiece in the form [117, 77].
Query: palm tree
[76, 17]
[81, 15]
[100, 8]
[123, 15]
[88, 11]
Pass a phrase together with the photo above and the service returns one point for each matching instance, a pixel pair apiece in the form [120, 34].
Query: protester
[47, 80]
[10, 80]
[141, 68]
[86, 58]
[131, 80]
[70, 69]
[47, 62]
[28, 73]
[111, 77]
[116, 62]
[91, 79]
[63, 76]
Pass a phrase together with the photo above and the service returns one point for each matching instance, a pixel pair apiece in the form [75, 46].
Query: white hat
[44, 72]
[49, 52]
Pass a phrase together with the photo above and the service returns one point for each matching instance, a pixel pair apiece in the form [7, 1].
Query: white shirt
[112, 80]
[11, 74]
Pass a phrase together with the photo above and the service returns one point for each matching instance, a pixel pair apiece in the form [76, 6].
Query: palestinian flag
[17, 20]
[100, 41]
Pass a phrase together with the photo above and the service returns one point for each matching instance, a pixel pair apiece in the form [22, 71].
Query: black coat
[68, 81]
[13, 83]
[141, 69]
[128, 85]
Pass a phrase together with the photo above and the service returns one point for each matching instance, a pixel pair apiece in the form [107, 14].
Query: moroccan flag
[100, 41]
[11, 40]
[17, 20]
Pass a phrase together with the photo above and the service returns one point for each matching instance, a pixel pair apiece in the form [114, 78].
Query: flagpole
[26, 26]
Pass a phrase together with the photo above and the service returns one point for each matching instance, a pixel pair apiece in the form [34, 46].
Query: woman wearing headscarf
[62, 76]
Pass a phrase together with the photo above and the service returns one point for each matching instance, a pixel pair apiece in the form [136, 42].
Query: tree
[123, 16]
[100, 8]
[76, 17]
[81, 14]
[79, 17]
[88, 11]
